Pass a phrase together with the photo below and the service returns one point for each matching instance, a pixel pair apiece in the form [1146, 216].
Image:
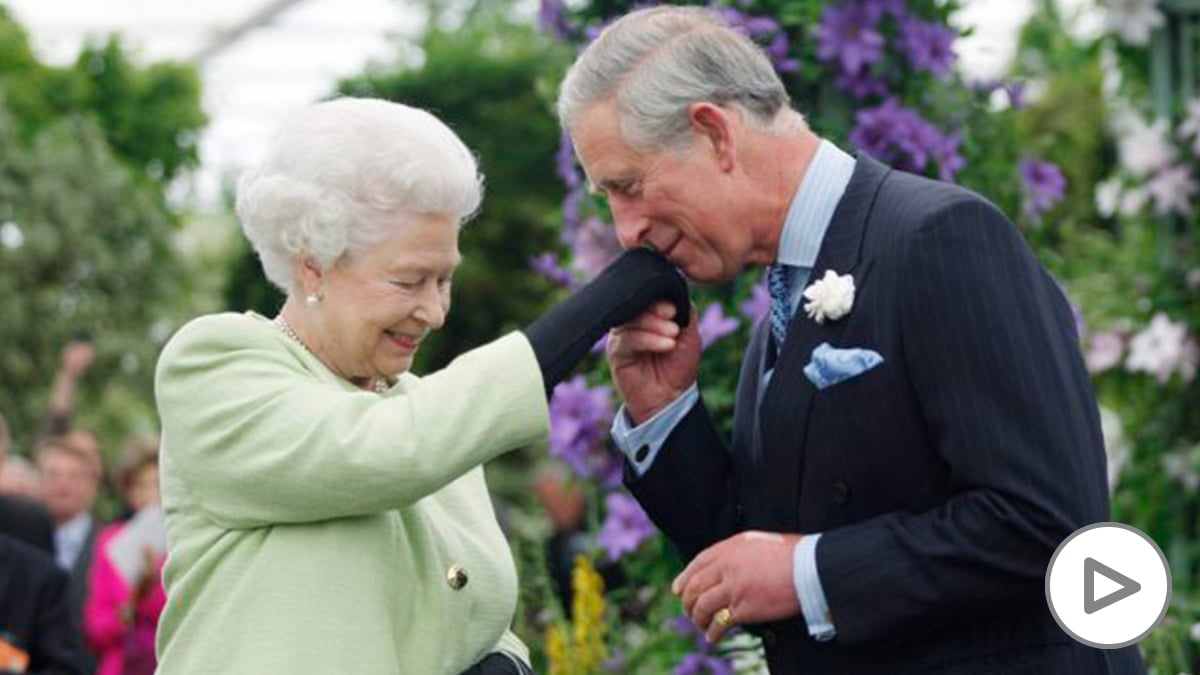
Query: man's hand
[652, 361]
[749, 573]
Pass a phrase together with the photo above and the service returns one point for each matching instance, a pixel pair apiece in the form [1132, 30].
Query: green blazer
[311, 525]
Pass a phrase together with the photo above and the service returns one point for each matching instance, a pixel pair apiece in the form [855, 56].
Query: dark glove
[498, 663]
[630, 284]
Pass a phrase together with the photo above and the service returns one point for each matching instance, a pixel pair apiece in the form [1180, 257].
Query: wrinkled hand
[750, 573]
[652, 360]
[77, 358]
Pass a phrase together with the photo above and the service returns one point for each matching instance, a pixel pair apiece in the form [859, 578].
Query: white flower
[1108, 197]
[830, 297]
[11, 236]
[1190, 127]
[1105, 351]
[1134, 201]
[1143, 148]
[1133, 20]
[1172, 189]
[1115, 445]
[1192, 279]
[1195, 632]
[1163, 348]
[1180, 465]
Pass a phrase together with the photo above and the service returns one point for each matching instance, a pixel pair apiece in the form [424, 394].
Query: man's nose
[632, 228]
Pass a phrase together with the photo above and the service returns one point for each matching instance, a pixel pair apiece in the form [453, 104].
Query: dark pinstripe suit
[943, 479]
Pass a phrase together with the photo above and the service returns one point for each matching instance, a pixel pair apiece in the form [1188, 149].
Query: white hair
[341, 175]
[657, 62]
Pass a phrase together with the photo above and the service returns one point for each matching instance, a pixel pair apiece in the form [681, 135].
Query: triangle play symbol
[1091, 567]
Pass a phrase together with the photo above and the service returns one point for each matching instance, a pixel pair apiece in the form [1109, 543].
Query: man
[71, 481]
[20, 518]
[912, 438]
[35, 630]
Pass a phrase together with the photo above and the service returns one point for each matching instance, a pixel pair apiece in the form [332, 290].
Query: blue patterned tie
[779, 285]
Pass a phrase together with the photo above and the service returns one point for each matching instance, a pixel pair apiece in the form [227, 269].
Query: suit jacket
[311, 525]
[943, 479]
[33, 609]
[77, 588]
[28, 521]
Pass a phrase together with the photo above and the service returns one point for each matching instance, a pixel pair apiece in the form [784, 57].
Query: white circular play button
[1108, 585]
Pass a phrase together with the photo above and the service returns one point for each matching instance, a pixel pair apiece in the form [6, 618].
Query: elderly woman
[326, 510]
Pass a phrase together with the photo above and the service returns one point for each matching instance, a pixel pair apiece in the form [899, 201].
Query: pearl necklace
[378, 384]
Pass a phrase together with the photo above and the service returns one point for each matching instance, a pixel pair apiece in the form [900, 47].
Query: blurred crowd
[78, 593]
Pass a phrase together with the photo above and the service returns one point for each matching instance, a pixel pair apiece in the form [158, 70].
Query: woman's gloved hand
[498, 663]
[562, 337]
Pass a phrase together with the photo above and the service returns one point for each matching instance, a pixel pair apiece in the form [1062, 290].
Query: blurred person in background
[20, 517]
[36, 635]
[20, 478]
[326, 510]
[70, 484]
[124, 600]
[76, 360]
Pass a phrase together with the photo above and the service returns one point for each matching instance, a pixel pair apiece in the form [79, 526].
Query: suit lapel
[788, 399]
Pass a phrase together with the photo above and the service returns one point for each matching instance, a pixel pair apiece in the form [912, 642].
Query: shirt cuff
[809, 590]
[641, 444]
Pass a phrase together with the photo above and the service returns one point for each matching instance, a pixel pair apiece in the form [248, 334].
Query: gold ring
[723, 617]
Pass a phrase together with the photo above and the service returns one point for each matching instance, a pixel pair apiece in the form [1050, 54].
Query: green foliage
[88, 251]
[150, 116]
[88, 240]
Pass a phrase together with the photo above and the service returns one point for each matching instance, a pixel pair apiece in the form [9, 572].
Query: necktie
[779, 285]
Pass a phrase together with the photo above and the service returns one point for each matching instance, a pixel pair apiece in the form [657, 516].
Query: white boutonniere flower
[829, 297]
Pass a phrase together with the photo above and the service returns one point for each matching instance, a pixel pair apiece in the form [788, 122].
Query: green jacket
[310, 524]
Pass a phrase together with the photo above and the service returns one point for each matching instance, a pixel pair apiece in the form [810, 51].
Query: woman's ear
[309, 274]
[715, 125]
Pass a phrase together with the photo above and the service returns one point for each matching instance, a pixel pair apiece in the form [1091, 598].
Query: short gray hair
[657, 62]
[339, 176]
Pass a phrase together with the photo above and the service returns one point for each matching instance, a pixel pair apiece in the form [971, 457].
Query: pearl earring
[312, 300]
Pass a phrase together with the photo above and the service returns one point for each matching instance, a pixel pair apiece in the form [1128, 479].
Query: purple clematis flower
[863, 84]
[594, 246]
[847, 35]
[714, 324]
[949, 160]
[877, 9]
[703, 664]
[759, 303]
[564, 162]
[767, 33]
[552, 16]
[1016, 94]
[547, 265]
[579, 421]
[625, 525]
[928, 45]
[1044, 185]
[900, 137]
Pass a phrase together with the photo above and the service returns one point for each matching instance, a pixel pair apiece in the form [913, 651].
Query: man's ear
[716, 126]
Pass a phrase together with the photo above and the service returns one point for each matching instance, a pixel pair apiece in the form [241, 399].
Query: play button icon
[1108, 585]
[1092, 567]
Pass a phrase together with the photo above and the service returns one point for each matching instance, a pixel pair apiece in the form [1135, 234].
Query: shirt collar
[812, 207]
[76, 528]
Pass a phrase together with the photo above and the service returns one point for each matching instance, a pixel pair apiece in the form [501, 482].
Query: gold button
[456, 576]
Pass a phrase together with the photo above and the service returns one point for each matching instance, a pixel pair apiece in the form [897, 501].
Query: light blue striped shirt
[808, 218]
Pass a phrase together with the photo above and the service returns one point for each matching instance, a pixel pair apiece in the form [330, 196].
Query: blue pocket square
[830, 366]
